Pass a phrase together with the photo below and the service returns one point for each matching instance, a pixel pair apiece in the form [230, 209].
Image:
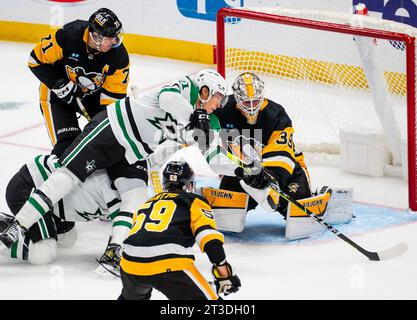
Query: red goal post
[229, 19]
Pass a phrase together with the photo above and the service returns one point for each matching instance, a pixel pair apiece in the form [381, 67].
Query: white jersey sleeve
[179, 98]
[141, 124]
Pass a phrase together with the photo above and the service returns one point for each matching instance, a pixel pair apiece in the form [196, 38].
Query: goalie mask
[104, 26]
[214, 82]
[248, 90]
[178, 175]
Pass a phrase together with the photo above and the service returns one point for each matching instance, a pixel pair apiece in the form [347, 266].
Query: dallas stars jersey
[155, 116]
[63, 55]
[273, 129]
[164, 231]
[87, 201]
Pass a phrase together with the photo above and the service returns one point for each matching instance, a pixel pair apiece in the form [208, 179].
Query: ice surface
[270, 267]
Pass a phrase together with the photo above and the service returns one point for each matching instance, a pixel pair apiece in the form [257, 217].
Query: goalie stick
[389, 253]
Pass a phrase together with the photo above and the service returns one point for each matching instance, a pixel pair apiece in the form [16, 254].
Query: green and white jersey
[143, 122]
[87, 201]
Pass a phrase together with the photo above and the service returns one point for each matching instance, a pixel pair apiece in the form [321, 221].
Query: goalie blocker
[334, 205]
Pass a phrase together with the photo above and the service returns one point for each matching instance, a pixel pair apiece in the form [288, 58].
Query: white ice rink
[270, 267]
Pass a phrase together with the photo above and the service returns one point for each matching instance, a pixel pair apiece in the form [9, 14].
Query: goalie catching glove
[225, 281]
[200, 123]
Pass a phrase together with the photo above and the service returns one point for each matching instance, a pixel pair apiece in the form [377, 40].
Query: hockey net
[330, 71]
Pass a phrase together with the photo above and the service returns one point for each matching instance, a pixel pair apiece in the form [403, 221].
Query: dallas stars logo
[169, 128]
[90, 166]
[90, 216]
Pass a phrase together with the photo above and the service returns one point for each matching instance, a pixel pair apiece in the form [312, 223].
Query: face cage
[251, 113]
[98, 38]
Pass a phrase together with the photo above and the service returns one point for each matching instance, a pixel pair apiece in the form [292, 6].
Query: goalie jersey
[63, 55]
[87, 201]
[273, 130]
[164, 231]
[142, 123]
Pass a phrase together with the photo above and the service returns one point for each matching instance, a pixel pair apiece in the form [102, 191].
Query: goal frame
[345, 29]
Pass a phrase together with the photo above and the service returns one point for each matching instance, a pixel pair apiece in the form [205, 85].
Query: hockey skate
[10, 230]
[110, 260]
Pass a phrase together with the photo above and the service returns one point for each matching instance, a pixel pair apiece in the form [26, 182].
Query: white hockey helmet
[211, 79]
[248, 90]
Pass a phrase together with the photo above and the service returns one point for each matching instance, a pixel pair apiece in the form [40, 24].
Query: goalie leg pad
[340, 207]
[229, 208]
[299, 224]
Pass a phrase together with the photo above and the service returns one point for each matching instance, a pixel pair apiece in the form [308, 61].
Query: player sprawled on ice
[87, 201]
[128, 131]
[259, 131]
[158, 252]
[83, 59]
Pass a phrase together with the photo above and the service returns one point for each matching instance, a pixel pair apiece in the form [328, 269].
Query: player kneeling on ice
[90, 200]
[158, 252]
[259, 131]
[129, 131]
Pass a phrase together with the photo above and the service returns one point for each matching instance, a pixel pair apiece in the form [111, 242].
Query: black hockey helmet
[105, 23]
[178, 175]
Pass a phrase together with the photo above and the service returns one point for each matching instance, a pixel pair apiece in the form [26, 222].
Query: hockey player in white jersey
[87, 201]
[129, 130]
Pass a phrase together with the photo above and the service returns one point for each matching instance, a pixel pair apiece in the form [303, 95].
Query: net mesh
[318, 76]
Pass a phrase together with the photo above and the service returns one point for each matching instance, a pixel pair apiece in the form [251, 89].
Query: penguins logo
[89, 82]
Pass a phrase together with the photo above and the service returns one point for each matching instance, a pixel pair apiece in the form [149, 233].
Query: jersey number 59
[160, 216]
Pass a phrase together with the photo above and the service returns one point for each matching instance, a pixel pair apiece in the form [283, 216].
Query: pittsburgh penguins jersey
[140, 124]
[273, 129]
[164, 231]
[87, 201]
[63, 54]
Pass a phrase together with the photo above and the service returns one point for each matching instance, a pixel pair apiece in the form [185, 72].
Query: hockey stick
[389, 253]
[83, 110]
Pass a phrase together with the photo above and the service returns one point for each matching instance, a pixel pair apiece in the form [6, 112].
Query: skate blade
[107, 271]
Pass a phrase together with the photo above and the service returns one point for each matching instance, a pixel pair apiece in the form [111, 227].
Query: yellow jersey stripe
[281, 164]
[202, 283]
[211, 236]
[46, 110]
[156, 267]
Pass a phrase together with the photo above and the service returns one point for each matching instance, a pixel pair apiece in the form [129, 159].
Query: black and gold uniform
[101, 78]
[158, 252]
[273, 128]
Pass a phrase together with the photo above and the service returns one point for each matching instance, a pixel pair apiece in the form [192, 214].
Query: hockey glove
[226, 285]
[10, 230]
[256, 178]
[200, 123]
[67, 92]
[112, 256]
